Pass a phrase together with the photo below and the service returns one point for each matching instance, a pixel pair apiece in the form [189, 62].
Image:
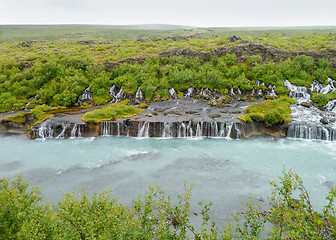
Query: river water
[223, 171]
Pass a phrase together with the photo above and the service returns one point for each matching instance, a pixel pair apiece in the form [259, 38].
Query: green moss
[18, 118]
[111, 112]
[165, 98]
[143, 105]
[179, 95]
[322, 99]
[271, 112]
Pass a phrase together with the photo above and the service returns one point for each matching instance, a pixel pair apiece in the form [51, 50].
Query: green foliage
[22, 214]
[111, 112]
[81, 215]
[143, 105]
[322, 99]
[271, 112]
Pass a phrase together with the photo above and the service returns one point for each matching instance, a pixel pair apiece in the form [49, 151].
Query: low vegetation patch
[271, 112]
[81, 215]
[143, 105]
[111, 112]
[322, 99]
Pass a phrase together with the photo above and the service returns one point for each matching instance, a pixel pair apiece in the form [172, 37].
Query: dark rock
[234, 39]
[324, 120]
[306, 104]
[86, 42]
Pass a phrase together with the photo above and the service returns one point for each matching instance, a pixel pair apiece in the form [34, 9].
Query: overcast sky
[203, 13]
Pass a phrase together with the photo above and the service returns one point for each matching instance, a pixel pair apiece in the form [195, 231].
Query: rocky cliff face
[241, 51]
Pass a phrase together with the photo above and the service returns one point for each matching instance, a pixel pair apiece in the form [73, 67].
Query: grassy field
[10, 33]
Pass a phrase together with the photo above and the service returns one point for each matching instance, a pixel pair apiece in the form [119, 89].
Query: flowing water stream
[222, 170]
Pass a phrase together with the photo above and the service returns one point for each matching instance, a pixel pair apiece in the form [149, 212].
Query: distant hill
[10, 33]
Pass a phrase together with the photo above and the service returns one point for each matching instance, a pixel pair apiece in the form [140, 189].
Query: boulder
[324, 120]
[306, 104]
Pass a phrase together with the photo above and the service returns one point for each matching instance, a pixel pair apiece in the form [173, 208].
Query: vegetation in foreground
[24, 215]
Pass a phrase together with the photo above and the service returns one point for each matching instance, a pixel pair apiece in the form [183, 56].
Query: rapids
[222, 170]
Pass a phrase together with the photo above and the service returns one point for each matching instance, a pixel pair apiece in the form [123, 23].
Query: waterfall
[181, 130]
[253, 91]
[331, 106]
[189, 129]
[172, 93]
[86, 95]
[232, 92]
[190, 92]
[228, 128]
[118, 129]
[199, 129]
[138, 94]
[260, 93]
[143, 130]
[271, 91]
[64, 127]
[112, 91]
[167, 130]
[238, 90]
[73, 131]
[79, 133]
[119, 95]
[322, 88]
[300, 93]
[311, 132]
[45, 132]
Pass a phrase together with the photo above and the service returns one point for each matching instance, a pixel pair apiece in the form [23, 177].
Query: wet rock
[324, 120]
[306, 104]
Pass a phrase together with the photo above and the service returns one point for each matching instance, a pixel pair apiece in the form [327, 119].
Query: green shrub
[111, 112]
[271, 112]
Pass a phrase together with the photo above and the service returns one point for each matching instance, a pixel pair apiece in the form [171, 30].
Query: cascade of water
[172, 93]
[138, 94]
[189, 129]
[64, 127]
[86, 95]
[199, 129]
[73, 131]
[228, 128]
[238, 91]
[331, 106]
[257, 82]
[322, 88]
[214, 129]
[167, 130]
[253, 91]
[260, 93]
[232, 92]
[181, 130]
[190, 92]
[79, 132]
[143, 130]
[300, 93]
[112, 91]
[45, 132]
[118, 129]
[311, 132]
[271, 91]
[119, 95]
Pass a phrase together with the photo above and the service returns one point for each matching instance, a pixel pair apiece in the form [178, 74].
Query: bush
[111, 112]
[271, 112]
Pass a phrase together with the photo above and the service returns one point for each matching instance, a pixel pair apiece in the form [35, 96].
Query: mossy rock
[111, 112]
[165, 98]
[271, 112]
[143, 105]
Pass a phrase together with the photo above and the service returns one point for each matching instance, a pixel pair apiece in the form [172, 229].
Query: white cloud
[185, 12]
